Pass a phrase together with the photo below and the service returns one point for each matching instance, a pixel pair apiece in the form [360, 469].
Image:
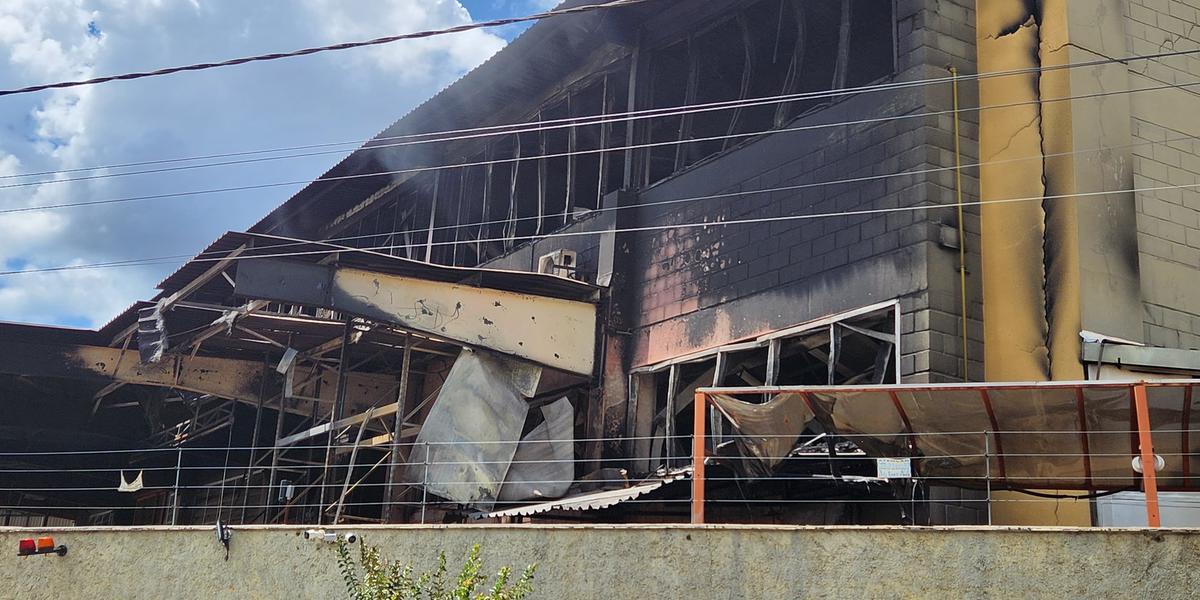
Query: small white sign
[893, 468]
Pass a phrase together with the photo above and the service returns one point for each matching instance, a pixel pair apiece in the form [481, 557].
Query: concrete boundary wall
[628, 561]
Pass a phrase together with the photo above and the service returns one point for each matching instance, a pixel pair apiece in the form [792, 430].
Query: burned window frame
[452, 221]
[665, 388]
[659, 147]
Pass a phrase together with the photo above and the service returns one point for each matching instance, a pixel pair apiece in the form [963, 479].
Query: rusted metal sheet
[554, 332]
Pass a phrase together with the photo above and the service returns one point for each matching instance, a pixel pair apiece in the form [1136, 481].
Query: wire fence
[854, 478]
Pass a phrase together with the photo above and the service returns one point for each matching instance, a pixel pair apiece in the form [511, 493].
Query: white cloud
[334, 96]
[83, 297]
[412, 61]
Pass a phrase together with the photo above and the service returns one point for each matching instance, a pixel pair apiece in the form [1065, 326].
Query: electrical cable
[1089, 496]
[599, 119]
[314, 50]
[374, 251]
[868, 121]
[196, 257]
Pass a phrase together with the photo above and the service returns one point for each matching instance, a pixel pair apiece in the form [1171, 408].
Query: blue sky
[334, 96]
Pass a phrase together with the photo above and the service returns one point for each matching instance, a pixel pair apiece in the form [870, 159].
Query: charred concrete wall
[1167, 153]
[682, 289]
[700, 287]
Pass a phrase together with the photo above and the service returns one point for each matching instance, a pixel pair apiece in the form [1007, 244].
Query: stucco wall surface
[630, 562]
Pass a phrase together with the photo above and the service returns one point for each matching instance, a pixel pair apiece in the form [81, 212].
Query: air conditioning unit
[560, 262]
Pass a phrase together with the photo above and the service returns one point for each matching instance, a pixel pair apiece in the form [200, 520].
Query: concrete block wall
[933, 35]
[1167, 153]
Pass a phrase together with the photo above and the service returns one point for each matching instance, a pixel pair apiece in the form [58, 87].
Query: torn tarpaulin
[468, 440]
[767, 431]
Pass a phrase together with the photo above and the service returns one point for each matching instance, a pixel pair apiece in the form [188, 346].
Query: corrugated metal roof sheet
[589, 501]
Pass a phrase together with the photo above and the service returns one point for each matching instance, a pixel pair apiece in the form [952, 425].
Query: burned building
[504, 304]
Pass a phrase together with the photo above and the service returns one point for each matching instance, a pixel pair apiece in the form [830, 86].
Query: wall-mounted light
[42, 545]
[1159, 463]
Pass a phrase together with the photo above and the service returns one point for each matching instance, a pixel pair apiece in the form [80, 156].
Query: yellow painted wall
[1015, 508]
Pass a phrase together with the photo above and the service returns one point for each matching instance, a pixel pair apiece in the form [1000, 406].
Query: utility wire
[376, 251]
[868, 121]
[536, 126]
[314, 50]
[175, 259]
[702, 224]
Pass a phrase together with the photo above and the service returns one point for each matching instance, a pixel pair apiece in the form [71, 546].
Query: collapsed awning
[1069, 435]
[591, 500]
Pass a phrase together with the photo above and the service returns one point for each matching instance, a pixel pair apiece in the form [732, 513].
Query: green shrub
[376, 578]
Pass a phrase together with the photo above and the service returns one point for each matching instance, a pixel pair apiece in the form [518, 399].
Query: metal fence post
[987, 465]
[699, 421]
[1145, 439]
[425, 483]
[175, 493]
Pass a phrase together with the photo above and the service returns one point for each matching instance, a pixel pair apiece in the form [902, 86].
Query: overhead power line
[314, 50]
[702, 224]
[175, 259]
[395, 172]
[536, 126]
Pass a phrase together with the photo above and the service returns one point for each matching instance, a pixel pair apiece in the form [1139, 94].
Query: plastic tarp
[767, 431]
[468, 441]
[1053, 435]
